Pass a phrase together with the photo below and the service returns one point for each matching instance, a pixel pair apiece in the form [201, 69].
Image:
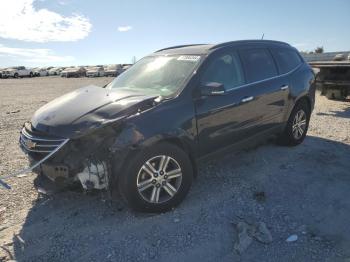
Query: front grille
[38, 142]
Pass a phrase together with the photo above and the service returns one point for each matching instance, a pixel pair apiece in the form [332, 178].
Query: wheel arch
[306, 99]
[183, 145]
[128, 150]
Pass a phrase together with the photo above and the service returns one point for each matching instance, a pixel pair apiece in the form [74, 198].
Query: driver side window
[224, 69]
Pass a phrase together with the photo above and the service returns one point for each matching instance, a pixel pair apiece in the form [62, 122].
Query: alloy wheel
[159, 179]
[299, 124]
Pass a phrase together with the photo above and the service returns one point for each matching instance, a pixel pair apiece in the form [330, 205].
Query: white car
[18, 71]
[41, 72]
[95, 71]
[113, 70]
[55, 71]
[126, 67]
[339, 57]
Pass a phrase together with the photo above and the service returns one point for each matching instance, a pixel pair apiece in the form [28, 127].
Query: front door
[225, 119]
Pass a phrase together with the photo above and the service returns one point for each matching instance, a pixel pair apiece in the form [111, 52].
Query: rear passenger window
[286, 59]
[258, 64]
[224, 69]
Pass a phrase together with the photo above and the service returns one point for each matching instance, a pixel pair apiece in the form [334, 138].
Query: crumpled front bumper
[63, 161]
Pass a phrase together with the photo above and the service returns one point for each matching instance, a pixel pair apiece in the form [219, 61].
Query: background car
[113, 70]
[339, 57]
[125, 67]
[74, 72]
[17, 71]
[95, 71]
[40, 72]
[55, 71]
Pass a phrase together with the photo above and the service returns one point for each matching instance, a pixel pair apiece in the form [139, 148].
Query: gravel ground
[303, 190]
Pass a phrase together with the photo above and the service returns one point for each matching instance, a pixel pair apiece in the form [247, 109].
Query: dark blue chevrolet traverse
[143, 134]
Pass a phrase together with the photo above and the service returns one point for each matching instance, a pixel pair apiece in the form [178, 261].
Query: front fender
[133, 139]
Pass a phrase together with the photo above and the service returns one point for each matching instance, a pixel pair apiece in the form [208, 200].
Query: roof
[186, 49]
[207, 48]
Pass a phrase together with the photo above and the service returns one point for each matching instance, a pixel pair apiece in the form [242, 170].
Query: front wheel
[156, 179]
[297, 125]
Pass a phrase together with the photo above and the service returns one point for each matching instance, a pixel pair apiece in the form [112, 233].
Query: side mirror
[212, 89]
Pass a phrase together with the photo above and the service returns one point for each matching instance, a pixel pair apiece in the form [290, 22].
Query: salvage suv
[17, 71]
[144, 133]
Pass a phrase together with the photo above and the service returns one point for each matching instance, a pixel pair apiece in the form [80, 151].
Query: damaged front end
[74, 137]
[66, 161]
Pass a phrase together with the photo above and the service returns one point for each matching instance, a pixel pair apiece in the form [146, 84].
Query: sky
[87, 32]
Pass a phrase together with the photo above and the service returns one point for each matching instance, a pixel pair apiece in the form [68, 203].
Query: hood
[74, 114]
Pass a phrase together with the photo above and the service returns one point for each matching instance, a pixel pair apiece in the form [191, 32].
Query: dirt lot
[303, 190]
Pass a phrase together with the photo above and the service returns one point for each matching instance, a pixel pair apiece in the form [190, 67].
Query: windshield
[159, 75]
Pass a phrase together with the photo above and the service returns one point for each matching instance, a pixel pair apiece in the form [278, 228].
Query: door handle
[247, 99]
[284, 87]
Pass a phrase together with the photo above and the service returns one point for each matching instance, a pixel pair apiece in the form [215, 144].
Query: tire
[134, 181]
[293, 137]
[30, 74]
[15, 75]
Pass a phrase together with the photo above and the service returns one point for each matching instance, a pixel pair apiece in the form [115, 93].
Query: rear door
[270, 88]
[288, 61]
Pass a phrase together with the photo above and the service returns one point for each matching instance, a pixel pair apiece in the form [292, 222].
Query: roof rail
[177, 46]
[246, 41]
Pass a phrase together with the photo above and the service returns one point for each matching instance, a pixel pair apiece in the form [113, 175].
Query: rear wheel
[15, 75]
[297, 125]
[156, 179]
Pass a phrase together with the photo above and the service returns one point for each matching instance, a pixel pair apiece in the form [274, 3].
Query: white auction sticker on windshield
[189, 58]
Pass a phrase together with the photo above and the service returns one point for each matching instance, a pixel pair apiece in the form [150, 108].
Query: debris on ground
[244, 237]
[13, 112]
[292, 238]
[248, 232]
[21, 175]
[262, 234]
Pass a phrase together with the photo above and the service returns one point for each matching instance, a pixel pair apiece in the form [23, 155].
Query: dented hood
[80, 111]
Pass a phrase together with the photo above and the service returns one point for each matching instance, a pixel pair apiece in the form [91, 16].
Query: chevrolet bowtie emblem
[29, 144]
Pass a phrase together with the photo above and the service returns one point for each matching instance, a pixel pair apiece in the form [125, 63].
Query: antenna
[262, 37]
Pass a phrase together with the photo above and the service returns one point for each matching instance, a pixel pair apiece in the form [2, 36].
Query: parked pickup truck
[18, 71]
[333, 78]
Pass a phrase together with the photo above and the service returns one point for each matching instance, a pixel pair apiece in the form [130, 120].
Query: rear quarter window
[286, 59]
[258, 64]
